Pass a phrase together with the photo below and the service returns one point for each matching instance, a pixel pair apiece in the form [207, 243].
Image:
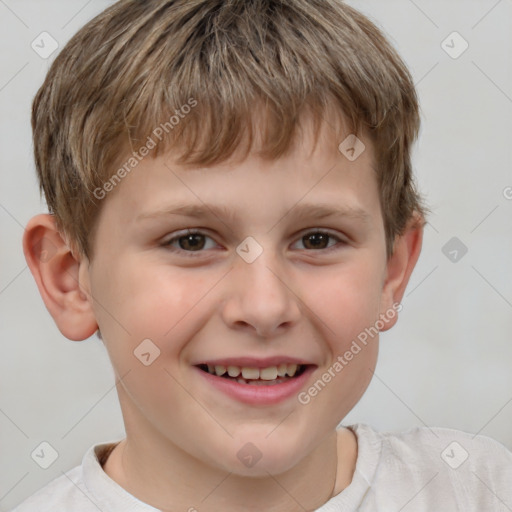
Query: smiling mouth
[256, 376]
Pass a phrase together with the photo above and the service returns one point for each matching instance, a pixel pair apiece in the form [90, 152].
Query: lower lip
[258, 394]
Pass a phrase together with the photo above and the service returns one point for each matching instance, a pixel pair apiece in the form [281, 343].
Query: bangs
[199, 133]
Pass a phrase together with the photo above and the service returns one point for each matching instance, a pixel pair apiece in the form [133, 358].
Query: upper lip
[254, 362]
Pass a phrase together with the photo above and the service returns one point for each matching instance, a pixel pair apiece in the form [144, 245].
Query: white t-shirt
[422, 469]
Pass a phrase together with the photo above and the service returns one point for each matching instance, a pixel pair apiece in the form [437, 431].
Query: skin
[296, 299]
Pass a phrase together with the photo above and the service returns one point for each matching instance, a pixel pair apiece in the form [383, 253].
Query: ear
[399, 267]
[57, 274]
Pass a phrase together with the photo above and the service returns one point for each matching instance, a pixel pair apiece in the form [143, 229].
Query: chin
[257, 458]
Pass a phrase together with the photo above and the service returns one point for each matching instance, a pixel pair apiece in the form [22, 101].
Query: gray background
[448, 360]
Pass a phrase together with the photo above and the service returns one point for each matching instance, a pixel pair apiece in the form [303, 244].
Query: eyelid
[166, 243]
[314, 229]
[201, 231]
[331, 233]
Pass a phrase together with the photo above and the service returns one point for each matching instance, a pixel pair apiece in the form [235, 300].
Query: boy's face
[198, 300]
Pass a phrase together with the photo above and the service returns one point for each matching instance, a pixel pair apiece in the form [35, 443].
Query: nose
[260, 297]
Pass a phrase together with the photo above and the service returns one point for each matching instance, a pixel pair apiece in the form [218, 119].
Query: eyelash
[194, 254]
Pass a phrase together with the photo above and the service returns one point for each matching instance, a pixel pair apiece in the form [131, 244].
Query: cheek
[142, 301]
[346, 303]
[146, 313]
[347, 300]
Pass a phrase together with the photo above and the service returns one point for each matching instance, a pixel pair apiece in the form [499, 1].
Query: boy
[232, 209]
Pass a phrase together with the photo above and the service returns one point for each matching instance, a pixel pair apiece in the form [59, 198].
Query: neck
[171, 476]
[171, 480]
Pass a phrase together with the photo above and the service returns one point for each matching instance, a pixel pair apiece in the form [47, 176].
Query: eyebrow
[308, 210]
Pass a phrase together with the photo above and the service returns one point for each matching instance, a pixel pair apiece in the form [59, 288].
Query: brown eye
[316, 240]
[188, 243]
[191, 242]
[320, 240]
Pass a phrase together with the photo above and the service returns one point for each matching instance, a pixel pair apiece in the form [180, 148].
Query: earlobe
[57, 274]
[399, 268]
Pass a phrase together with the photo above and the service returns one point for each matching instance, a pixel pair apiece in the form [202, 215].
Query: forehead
[311, 178]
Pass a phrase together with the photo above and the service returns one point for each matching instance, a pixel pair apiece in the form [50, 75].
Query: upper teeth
[270, 373]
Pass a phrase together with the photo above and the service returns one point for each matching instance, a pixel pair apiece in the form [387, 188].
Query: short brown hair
[131, 67]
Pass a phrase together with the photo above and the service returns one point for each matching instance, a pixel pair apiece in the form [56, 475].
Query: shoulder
[80, 489]
[64, 492]
[455, 448]
[433, 466]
